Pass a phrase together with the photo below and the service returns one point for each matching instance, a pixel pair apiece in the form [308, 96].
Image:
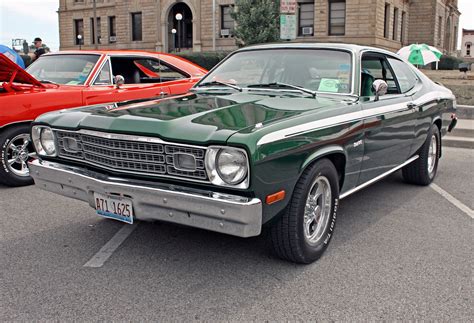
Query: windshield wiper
[235, 87]
[284, 85]
[48, 81]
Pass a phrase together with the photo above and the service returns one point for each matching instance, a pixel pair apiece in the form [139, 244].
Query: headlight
[43, 139]
[227, 166]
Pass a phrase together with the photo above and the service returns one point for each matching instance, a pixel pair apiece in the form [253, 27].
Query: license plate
[114, 207]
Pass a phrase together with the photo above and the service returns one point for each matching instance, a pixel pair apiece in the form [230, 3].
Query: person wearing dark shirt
[39, 48]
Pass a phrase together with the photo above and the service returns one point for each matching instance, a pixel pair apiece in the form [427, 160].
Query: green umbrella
[420, 54]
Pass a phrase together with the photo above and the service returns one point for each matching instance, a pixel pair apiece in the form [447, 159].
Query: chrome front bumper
[230, 214]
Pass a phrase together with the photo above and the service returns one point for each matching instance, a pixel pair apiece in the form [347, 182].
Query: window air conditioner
[307, 31]
[225, 32]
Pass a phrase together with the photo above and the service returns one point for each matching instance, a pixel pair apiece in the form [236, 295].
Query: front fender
[322, 152]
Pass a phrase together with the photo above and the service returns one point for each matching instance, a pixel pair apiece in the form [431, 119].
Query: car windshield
[319, 70]
[63, 69]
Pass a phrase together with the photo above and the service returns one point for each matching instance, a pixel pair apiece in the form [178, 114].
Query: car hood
[8, 68]
[197, 118]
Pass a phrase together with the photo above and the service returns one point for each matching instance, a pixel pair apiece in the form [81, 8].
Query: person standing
[39, 48]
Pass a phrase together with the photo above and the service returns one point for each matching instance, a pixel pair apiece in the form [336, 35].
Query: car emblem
[358, 143]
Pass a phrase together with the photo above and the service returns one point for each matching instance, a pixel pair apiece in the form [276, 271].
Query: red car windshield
[63, 69]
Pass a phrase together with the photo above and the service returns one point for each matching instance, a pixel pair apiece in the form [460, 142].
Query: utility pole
[96, 37]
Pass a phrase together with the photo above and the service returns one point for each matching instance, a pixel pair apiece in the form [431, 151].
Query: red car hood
[12, 73]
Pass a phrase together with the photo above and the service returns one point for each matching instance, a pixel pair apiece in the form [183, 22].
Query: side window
[376, 68]
[405, 76]
[156, 71]
[104, 75]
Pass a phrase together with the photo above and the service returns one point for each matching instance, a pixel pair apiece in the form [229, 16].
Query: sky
[28, 19]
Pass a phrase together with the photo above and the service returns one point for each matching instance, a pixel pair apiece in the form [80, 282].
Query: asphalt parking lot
[400, 252]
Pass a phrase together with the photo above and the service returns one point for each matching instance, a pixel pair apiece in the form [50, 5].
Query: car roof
[107, 52]
[342, 46]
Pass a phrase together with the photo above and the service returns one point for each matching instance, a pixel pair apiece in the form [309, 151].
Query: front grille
[132, 156]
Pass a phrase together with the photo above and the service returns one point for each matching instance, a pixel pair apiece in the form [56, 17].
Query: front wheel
[303, 232]
[423, 170]
[16, 150]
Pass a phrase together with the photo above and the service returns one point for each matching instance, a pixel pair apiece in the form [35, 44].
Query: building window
[386, 27]
[99, 30]
[440, 26]
[337, 17]
[227, 23]
[92, 31]
[112, 30]
[395, 24]
[306, 18]
[402, 33]
[78, 30]
[447, 37]
[468, 49]
[137, 26]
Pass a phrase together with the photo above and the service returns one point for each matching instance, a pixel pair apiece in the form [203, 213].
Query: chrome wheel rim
[18, 152]
[317, 209]
[432, 154]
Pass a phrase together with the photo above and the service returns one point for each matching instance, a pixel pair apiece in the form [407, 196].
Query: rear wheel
[423, 170]
[303, 232]
[16, 150]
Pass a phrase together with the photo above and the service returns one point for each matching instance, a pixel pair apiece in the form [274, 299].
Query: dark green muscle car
[274, 136]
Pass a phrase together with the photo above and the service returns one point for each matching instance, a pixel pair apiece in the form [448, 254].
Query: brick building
[152, 24]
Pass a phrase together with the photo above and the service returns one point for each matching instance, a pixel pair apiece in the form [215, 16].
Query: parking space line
[108, 249]
[453, 200]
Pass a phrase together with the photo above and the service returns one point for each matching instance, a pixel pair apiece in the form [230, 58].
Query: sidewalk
[462, 136]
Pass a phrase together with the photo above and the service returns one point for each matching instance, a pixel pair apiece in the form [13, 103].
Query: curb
[462, 136]
[458, 142]
[465, 111]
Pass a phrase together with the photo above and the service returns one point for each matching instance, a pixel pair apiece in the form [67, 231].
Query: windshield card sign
[329, 85]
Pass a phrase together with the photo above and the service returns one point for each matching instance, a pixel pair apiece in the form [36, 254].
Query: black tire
[7, 174]
[288, 237]
[419, 172]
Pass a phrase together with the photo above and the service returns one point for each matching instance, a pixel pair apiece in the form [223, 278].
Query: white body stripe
[353, 116]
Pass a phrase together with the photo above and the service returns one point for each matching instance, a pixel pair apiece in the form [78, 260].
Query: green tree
[257, 21]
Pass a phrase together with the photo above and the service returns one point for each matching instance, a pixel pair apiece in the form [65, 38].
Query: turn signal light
[275, 197]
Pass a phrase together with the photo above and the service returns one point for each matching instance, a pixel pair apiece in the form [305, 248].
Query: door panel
[109, 93]
[389, 122]
[389, 135]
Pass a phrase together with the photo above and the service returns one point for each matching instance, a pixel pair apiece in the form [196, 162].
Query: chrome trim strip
[352, 52]
[109, 135]
[96, 76]
[373, 180]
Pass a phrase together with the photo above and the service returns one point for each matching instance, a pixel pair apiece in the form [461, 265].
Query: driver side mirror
[119, 80]
[380, 88]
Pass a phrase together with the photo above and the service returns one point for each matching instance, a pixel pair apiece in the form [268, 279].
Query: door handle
[163, 93]
[412, 106]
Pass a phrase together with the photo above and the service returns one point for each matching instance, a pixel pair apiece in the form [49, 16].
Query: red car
[76, 78]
